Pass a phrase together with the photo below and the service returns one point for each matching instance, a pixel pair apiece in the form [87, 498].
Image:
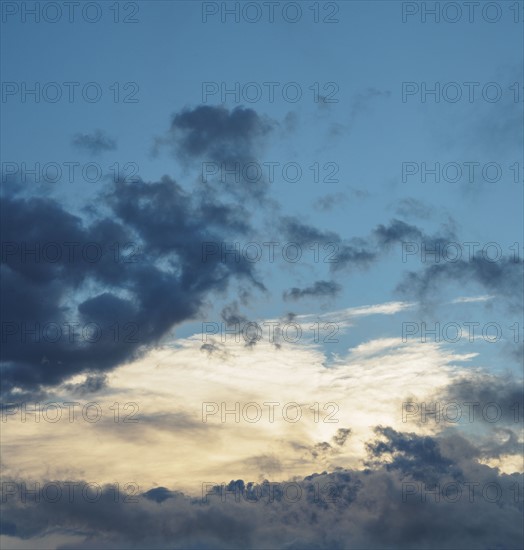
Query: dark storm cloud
[319, 289]
[94, 143]
[132, 303]
[417, 492]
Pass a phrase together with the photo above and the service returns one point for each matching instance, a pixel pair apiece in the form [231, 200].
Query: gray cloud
[358, 252]
[328, 202]
[92, 384]
[318, 289]
[225, 142]
[165, 283]
[94, 143]
[389, 504]
[341, 436]
[232, 316]
[502, 277]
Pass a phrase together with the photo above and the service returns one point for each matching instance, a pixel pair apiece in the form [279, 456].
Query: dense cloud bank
[416, 492]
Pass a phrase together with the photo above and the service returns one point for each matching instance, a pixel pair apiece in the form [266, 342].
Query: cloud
[341, 436]
[472, 299]
[94, 143]
[417, 492]
[358, 499]
[413, 208]
[504, 392]
[328, 202]
[93, 383]
[169, 386]
[502, 277]
[238, 323]
[359, 252]
[231, 315]
[226, 143]
[148, 274]
[353, 253]
[165, 282]
[217, 133]
[318, 289]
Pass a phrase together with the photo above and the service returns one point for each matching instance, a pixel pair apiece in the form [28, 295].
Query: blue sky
[364, 122]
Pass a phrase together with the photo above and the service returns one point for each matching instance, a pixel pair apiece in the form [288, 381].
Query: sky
[262, 275]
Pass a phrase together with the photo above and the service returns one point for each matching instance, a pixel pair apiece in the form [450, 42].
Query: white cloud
[172, 446]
